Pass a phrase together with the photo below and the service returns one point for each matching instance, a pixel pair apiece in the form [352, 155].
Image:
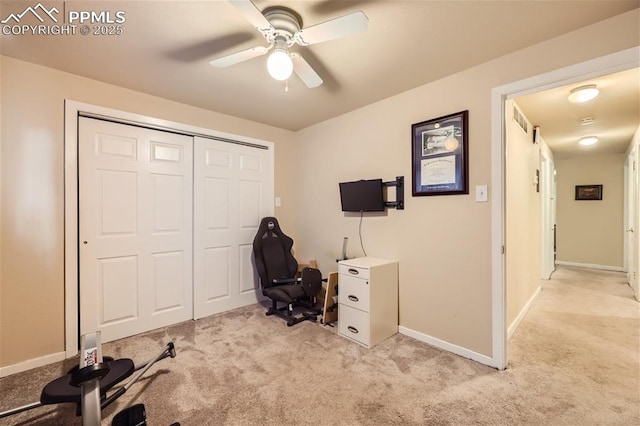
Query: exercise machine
[87, 384]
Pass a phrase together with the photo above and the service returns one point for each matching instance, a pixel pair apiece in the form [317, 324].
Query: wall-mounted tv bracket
[399, 184]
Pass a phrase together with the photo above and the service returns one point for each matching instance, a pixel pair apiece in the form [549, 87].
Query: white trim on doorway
[547, 213]
[615, 62]
[631, 185]
[72, 111]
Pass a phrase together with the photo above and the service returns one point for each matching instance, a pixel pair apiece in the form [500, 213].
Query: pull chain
[286, 85]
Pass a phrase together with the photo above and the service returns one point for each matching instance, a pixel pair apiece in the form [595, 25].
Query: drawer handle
[352, 329]
[353, 271]
[353, 298]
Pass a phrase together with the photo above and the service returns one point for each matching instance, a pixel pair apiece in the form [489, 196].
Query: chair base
[311, 306]
[286, 313]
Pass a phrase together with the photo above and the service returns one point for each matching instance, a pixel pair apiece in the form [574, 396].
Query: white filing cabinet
[367, 299]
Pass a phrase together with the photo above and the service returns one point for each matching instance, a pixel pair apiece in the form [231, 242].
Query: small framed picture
[588, 192]
[440, 160]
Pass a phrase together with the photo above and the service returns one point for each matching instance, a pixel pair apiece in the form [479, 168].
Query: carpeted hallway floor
[573, 361]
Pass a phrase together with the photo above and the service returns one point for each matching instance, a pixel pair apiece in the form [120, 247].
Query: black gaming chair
[277, 270]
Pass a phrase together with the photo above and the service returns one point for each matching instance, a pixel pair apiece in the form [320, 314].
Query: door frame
[631, 209]
[72, 110]
[628, 185]
[547, 167]
[608, 64]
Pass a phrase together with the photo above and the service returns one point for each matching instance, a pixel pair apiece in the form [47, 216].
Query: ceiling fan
[282, 28]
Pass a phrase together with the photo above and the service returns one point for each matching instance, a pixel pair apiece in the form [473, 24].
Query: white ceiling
[616, 111]
[166, 47]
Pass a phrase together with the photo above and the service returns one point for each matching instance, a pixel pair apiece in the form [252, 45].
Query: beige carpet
[573, 361]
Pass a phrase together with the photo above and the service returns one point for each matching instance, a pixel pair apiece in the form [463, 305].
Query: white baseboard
[514, 325]
[449, 347]
[31, 363]
[591, 266]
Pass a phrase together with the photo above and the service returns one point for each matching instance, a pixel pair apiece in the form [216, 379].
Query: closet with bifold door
[166, 223]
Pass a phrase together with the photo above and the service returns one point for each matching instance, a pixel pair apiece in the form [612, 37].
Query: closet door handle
[353, 298]
[352, 329]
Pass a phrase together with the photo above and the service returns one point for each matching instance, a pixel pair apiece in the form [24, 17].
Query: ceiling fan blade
[253, 15]
[307, 74]
[238, 57]
[353, 23]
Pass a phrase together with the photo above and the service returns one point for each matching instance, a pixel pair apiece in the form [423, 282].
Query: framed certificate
[439, 152]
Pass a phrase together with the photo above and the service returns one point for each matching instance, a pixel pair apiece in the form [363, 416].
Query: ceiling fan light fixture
[589, 140]
[279, 64]
[282, 28]
[583, 93]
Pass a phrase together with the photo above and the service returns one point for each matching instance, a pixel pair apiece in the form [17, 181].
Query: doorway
[609, 64]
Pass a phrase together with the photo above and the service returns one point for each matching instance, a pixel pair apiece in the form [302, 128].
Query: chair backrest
[272, 253]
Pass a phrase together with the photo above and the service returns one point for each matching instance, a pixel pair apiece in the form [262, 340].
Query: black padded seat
[61, 390]
[274, 261]
[277, 269]
[287, 293]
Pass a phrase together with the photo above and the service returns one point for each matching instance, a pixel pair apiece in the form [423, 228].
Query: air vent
[587, 121]
[519, 118]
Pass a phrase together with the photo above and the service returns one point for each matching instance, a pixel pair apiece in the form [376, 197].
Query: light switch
[278, 202]
[482, 195]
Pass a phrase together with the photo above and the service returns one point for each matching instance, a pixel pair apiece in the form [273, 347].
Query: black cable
[360, 232]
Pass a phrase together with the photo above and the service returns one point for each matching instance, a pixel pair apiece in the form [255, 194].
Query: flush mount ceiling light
[589, 140]
[583, 93]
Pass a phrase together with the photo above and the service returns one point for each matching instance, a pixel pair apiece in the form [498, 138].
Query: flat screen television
[362, 196]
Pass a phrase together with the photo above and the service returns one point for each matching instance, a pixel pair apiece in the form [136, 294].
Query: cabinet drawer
[354, 324]
[353, 271]
[353, 292]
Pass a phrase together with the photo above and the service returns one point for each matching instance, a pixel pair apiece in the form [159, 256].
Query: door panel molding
[73, 110]
[146, 216]
[231, 195]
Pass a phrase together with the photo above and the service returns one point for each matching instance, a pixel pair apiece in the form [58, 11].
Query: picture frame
[588, 192]
[439, 155]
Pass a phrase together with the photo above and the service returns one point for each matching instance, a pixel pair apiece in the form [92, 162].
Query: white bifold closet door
[136, 198]
[233, 190]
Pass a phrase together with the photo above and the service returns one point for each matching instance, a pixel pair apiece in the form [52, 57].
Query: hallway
[581, 341]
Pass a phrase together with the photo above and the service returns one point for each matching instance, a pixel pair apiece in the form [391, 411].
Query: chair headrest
[269, 225]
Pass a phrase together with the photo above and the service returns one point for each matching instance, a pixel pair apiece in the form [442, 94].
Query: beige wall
[442, 243]
[31, 237]
[591, 232]
[523, 214]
